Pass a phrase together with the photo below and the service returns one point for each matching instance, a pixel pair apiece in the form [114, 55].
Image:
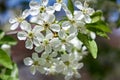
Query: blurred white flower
[36, 8]
[19, 21]
[87, 11]
[30, 35]
[35, 63]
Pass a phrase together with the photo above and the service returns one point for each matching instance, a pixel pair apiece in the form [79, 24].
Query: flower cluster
[55, 40]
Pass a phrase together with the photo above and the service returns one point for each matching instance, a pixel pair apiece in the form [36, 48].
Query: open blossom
[19, 21]
[35, 63]
[47, 21]
[30, 35]
[36, 8]
[56, 40]
[87, 11]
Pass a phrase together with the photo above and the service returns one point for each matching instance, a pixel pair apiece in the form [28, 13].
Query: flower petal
[57, 6]
[33, 69]
[66, 25]
[28, 61]
[34, 4]
[48, 17]
[35, 56]
[14, 26]
[78, 15]
[34, 12]
[45, 2]
[50, 10]
[79, 5]
[25, 13]
[39, 48]
[90, 11]
[13, 20]
[55, 27]
[62, 34]
[29, 44]
[22, 35]
[87, 19]
[48, 49]
[25, 26]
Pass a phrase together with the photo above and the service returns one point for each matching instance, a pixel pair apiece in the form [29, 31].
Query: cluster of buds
[54, 39]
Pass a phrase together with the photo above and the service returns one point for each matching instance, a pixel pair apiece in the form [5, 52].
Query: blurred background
[105, 67]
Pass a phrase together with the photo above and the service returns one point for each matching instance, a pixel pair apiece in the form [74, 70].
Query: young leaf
[89, 43]
[97, 16]
[8, 40]
[99, 25]
[70, 6]
[1, 34]
[5, 59]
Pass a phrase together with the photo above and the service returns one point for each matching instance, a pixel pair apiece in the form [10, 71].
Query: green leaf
[8, 40]
[97, 16]
[89, 43]
[2, 34]
[5, 59]
[70, 6]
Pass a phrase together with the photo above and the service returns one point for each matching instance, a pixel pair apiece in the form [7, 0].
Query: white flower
[65, 40]
[74, 20]
[87, 11]
[35, 63]
[32, 36]
[45, 42]
[36, 8]
[71, 62]
[47, 21]
[19, 21]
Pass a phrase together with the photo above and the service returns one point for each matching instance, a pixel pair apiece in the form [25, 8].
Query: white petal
[90, 11]
[79, 5]
[64, 6]
[40, 36]
[25, 13]
[77, 75]
[55, 27]
[87, 19]
[71, 36]
[22, 35]
[28, 61]
[13, 20]
[80, 65]
[33, 69]
[14, 26]
[78, 15]
[49, 35]
[48, 49]
[34, 12]
[55, 42]
[29, 44]
[93, 35]
[53, 54]
[65, 57]
[66, 25]
[34, 4]
[25, 26]
[35, 56]
[39, 48]
[45, 2]
[62, 34]
[48, 17]
[68, 77]
[44, 55]
[72, 29]
[50, 10]
[57, 6]
[37, 29]
[36, 42]
[69, 47]
[41, 69]
[69, 14]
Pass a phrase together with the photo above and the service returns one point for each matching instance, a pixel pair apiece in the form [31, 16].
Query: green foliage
[8, 40]
[5, 59]
[8, 74]
[98, 26]
[89, 43]
[1, 34]
[70, 6]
